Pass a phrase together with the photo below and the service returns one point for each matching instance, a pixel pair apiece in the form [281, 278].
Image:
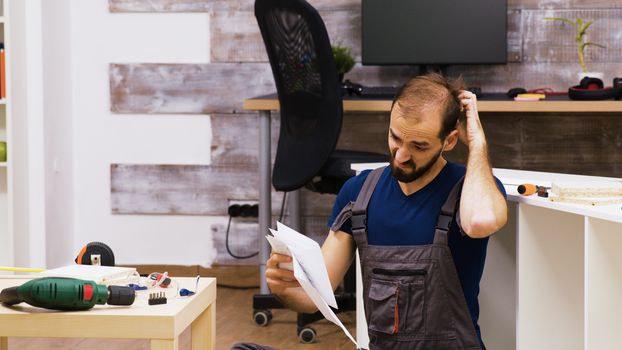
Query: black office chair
[311, 110]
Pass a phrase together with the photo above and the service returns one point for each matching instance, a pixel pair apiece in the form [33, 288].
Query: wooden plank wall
[540, 54]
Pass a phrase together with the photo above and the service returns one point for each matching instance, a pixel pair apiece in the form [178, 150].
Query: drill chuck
[120, 295]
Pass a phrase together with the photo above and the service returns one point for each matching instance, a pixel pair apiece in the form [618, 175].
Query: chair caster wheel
[262, 317]
[307, 335]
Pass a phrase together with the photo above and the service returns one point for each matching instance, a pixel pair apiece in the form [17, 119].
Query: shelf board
[3, 165]
[3, 101]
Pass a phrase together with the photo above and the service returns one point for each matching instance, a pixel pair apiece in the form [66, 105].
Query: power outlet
[243, 208]
[242, 202]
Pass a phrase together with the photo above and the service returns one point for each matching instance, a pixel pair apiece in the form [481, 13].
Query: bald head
[430, 94]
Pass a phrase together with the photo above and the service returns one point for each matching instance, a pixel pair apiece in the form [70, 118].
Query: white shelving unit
[568, 265]
[6, 171]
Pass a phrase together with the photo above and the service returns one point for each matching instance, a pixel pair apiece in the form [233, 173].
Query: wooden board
[179, 189]
[209, 88]
[235, 35]
[186, 88]
[166, 5]
[194, 190]
[235, 137]
[557, 75]
[580, 144]
[211, 5]
[492, 78]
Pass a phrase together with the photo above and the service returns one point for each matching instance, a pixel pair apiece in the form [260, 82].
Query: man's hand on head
[470, 130]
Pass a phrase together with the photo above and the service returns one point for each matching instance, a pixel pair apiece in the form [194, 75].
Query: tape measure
[95, 253]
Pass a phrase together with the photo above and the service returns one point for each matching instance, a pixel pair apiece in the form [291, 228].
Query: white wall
[85, 144]
[58, 123]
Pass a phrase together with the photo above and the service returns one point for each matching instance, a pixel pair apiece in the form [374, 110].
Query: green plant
[343, 59]
[581, 28]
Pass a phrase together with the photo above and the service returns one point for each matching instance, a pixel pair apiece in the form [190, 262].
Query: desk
[495, 103]
[162, 324]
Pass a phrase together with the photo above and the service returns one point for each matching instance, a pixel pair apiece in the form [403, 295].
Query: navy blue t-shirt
[394, 218]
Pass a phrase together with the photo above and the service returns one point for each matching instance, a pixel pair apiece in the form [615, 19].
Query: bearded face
[409, 171]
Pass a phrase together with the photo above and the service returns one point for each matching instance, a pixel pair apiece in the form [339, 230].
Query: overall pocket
[383, 310]
[397, 301]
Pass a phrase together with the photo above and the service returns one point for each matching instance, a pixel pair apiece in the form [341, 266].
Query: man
[421, 263]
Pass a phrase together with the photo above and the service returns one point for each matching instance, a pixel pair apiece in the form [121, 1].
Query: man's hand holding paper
[309, 270]
[279, 268]
[283, 255]
[309, 256]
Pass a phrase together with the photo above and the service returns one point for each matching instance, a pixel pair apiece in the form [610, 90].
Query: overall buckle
[359, 220]
[444, 222]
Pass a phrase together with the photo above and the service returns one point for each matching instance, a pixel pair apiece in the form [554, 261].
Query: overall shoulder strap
[449, 208]
[357, 210]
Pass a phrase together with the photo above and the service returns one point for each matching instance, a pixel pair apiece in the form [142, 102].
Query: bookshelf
[6, 171]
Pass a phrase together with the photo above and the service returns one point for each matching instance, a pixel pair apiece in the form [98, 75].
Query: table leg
[203, 329]
[4, 343]
[165, 344]
[265, 200]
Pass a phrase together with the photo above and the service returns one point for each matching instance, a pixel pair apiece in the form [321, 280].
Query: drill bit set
[157, 298]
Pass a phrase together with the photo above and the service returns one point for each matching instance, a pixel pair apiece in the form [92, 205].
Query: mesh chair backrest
[307, 83]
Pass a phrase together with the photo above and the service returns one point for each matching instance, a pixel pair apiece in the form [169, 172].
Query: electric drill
[68, 294]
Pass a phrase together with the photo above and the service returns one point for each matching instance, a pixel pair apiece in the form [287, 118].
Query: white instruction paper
[281, 248]
[309, 269]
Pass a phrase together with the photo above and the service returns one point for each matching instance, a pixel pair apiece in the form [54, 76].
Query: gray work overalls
[412, 294]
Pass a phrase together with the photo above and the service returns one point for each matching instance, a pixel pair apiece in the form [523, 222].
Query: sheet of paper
[309, 255]
[318, 300]
[281, 248]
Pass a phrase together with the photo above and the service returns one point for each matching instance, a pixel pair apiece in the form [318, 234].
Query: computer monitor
[434, 32]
